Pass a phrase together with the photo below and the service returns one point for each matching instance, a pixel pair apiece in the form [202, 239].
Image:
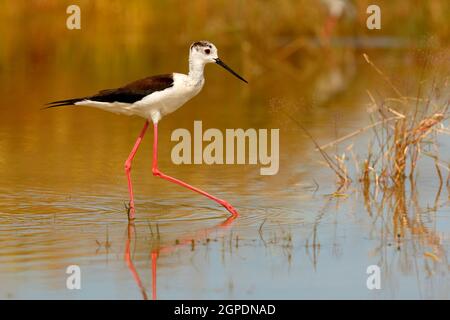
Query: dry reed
[404, 129]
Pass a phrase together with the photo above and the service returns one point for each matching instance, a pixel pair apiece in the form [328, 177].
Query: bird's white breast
[168, 100]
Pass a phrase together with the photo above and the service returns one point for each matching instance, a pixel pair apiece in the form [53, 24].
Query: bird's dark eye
[207, 51]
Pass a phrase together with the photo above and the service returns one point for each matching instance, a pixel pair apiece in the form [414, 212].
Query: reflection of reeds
[398, 218]
[404, 130]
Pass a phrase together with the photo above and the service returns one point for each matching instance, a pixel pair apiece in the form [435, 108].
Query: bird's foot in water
[230, 208]
[130, 211]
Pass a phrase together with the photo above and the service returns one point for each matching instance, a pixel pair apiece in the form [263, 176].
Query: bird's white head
[203, 52]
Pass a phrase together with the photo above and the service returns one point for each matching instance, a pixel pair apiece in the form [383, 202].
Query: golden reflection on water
[63, 188]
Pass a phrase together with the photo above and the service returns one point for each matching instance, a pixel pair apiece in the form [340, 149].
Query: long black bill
[222, 64]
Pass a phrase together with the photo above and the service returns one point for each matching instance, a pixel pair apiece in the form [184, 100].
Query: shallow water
[63, 189]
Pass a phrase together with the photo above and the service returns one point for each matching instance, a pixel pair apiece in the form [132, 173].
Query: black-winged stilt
[152, 98]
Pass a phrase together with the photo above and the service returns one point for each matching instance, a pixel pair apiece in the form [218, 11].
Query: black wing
[130, 93]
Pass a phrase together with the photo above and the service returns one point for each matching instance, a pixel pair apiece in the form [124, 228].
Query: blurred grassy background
[271, 41]
[133, 35]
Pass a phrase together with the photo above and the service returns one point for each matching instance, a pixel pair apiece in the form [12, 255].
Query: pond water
[63, 190]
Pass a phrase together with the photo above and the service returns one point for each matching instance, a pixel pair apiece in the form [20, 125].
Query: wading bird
[152, 98]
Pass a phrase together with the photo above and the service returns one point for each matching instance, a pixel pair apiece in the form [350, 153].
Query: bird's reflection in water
[131, 230]
[156, 252]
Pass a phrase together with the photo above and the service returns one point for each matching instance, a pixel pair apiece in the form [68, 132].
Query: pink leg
[131, 211]
[158, 173]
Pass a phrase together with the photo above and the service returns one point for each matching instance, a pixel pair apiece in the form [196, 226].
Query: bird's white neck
[196, 68]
